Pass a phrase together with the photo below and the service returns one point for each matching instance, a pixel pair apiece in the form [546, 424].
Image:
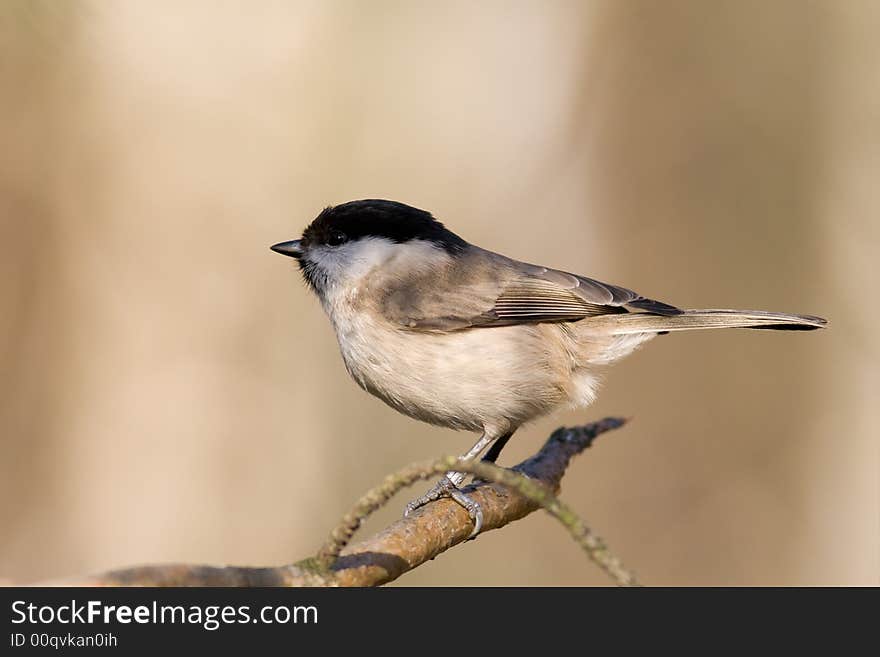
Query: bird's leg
[495, 450]
[449, 483]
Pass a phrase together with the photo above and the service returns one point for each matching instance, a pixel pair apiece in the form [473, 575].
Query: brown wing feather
[537, 299]
[542, 294]
[492, 290]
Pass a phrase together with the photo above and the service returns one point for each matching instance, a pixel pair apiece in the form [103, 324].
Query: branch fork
[504, 495]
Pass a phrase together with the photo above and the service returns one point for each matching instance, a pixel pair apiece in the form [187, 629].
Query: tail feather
[709, 319]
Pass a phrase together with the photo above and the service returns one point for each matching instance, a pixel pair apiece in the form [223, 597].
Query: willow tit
[449, 333]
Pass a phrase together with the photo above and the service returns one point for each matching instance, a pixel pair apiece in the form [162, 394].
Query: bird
[458, 336]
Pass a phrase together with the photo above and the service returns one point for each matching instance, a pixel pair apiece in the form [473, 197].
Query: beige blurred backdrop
[171, 392]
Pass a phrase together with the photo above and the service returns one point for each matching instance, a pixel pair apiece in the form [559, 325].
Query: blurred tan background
[170, 392]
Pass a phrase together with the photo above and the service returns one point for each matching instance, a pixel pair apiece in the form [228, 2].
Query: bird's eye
[336, 238]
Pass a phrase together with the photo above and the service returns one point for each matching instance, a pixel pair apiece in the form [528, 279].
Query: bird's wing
[492, 290]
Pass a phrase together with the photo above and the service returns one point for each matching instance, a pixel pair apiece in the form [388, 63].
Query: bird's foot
[449, 486]
[448, 483]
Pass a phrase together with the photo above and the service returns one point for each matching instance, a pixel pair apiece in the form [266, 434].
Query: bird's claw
[443, 487]
[447, 487]
[475, 511]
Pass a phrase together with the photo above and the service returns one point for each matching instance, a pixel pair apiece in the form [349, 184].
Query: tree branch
[504, 495]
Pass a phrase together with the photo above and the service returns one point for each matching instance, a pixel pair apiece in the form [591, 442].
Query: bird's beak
[291, 248]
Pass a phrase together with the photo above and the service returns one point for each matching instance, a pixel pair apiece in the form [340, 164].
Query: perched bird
[461, 337]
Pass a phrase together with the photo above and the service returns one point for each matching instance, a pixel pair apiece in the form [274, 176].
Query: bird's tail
[688, 320]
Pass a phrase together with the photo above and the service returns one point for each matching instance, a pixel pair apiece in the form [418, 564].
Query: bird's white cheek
[348, 268]
[348, 264]
[327, 263]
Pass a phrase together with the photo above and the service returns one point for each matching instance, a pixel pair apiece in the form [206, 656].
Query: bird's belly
[474, 379]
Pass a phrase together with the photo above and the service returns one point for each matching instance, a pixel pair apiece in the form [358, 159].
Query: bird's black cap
[391, 220]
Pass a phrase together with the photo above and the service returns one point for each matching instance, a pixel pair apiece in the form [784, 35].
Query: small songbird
[461, 337]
